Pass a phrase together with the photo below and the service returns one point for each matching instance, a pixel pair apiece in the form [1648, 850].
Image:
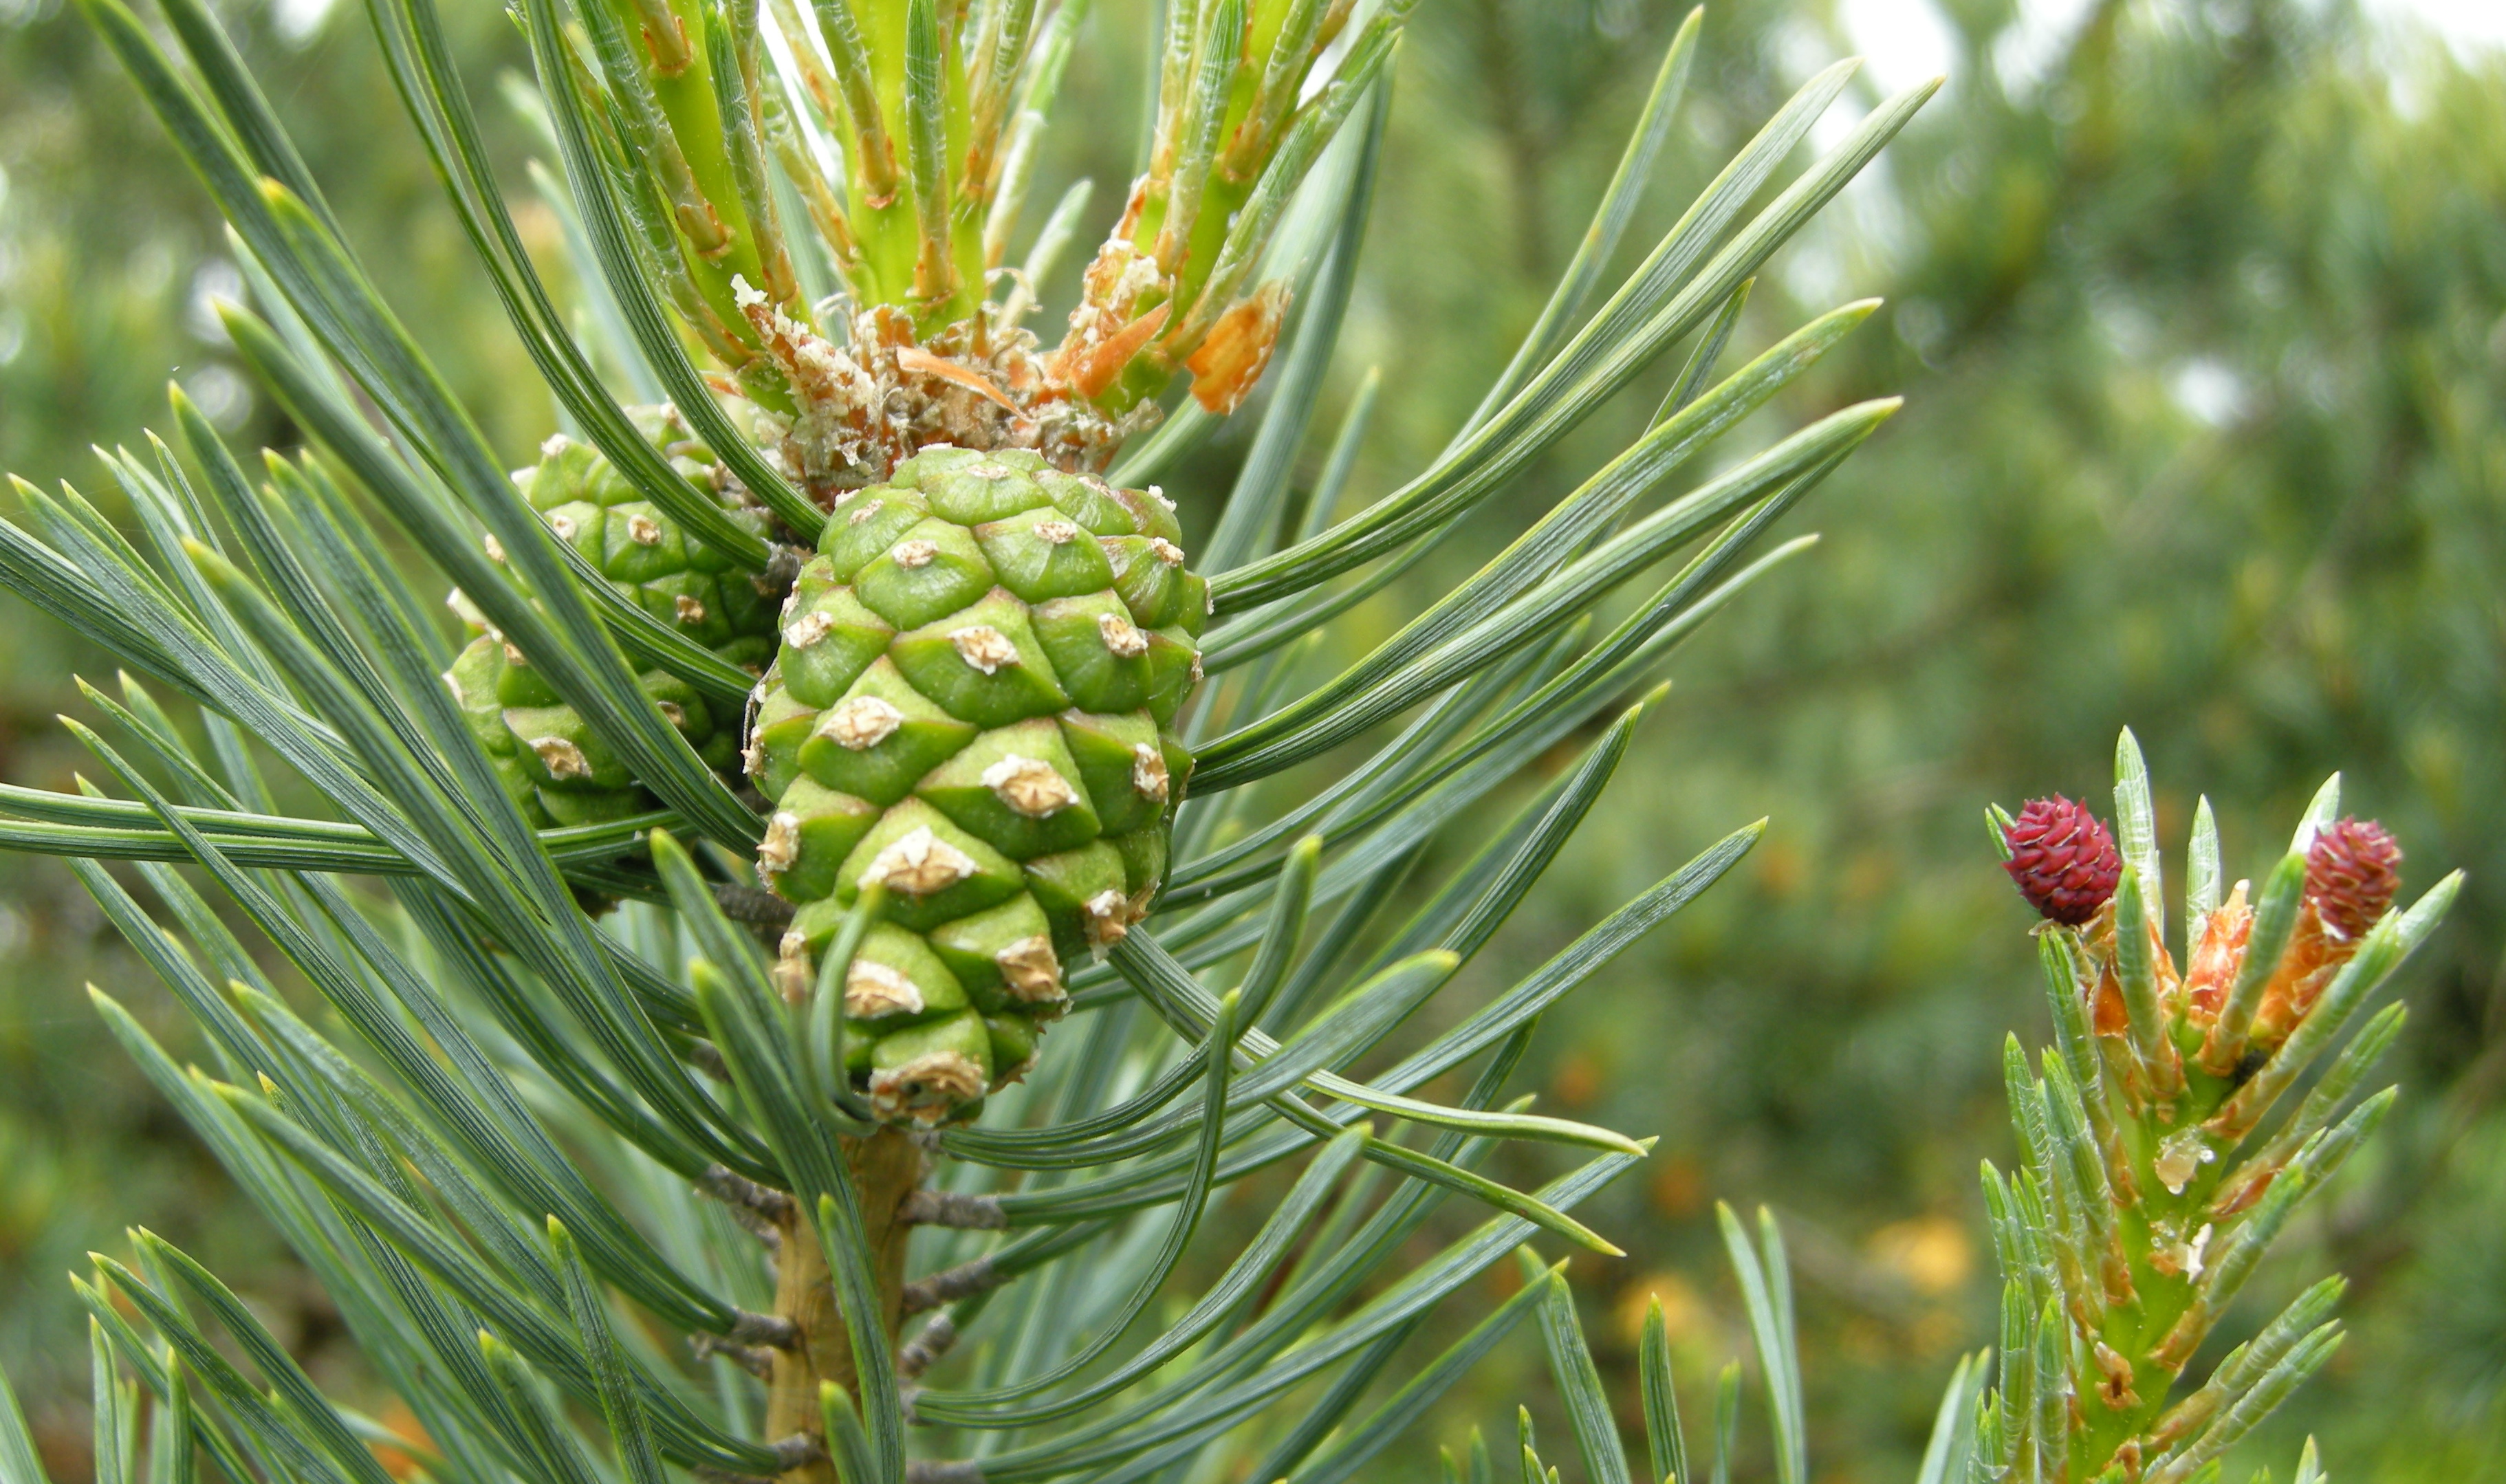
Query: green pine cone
[552, 764]
[972, 704]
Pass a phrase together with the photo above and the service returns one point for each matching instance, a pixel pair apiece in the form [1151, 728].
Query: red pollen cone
[2063, 858]
[2352, 870]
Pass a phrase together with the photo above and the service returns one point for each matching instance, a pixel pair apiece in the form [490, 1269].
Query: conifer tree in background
[838, 710]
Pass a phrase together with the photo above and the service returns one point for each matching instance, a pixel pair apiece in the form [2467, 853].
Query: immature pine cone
[2351, 872]
[2063, 858]
[549, 758]
[973, 705]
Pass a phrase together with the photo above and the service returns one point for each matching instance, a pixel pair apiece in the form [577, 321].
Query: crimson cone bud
[2352, 870]
[2063, 858]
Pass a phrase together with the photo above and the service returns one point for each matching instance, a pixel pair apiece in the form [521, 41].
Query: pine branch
[822, 739]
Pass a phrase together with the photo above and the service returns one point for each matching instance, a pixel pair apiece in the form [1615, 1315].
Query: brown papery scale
[2063, 858]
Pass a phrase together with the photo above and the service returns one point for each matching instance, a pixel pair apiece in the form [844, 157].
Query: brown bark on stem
[886, 1168]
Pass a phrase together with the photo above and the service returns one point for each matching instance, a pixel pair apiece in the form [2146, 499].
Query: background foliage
[2197, 306]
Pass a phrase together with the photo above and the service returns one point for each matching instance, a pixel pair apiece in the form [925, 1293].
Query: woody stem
[886, 1170]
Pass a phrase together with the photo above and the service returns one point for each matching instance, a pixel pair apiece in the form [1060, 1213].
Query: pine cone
[2063, 858]
[557, 769]
[2351, 872]
[970, 705]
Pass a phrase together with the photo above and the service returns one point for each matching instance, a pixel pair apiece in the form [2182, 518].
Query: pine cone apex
[2352, 872]
[2063, 858]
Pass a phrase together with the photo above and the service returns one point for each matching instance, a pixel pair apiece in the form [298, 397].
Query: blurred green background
[2197, 306]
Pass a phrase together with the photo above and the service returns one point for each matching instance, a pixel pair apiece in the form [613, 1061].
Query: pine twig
[949, 1285]
[737, 1190]
[755, 1359]
[753, 907]
[948, 1208]
[770, 1331]
[938, 1337]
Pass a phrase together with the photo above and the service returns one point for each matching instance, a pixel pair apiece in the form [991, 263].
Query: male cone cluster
[971, 709]
[551, 760]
